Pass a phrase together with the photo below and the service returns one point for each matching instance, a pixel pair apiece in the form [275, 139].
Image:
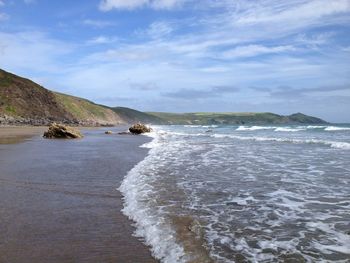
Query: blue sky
[186, 55]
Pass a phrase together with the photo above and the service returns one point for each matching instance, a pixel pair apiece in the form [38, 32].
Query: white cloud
[107, 5]
[300, 11]
[255, 50]
[270, 19]
[98, 23]
[102, 40]
[32, 51]
[159, 29]
[315, 39]
[166, 4]
[2, 3]
[120, 55]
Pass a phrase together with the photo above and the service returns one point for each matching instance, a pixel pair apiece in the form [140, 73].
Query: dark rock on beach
[59, 131]
[124, 133]
[139, 128]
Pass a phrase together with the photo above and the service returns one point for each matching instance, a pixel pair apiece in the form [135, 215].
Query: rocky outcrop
[108, 132]
[59, 131]
[139, 128]
[7, 120]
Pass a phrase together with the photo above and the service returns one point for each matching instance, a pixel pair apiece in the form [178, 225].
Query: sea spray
[259, 195]
[150, 225]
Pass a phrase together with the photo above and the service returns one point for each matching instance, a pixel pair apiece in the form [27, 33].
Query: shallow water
[244, 194]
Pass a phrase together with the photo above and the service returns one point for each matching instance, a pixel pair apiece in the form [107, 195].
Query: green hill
[137, 116]
[205, 118]
[22, 101]
[87, 111]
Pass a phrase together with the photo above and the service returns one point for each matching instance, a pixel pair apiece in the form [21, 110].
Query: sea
[277, 193]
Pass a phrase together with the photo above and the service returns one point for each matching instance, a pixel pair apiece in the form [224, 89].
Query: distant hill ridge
[24, 102]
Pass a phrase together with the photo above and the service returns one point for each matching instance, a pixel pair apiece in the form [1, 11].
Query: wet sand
[59, 201]
[18, 134]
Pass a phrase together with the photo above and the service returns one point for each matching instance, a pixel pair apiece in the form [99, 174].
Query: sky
[186, 55]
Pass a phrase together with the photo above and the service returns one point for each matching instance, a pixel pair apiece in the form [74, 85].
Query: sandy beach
[13, 134]
[59, 201]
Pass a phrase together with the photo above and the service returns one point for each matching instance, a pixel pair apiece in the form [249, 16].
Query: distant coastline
[24, 102]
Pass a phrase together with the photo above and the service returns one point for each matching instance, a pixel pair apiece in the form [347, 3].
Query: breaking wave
[293, 128]
[333, 144]
[217, 179]
[333, 128]
[150, 225]
[254, 128]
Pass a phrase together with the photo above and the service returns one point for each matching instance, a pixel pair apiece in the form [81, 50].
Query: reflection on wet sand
[11, 135]
[59, 201]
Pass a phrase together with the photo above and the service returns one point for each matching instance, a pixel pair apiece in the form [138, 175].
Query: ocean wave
[254, 128]
[292, 129]
[342, 239]
[277, 129]
[150, 225]
[287, 129]
[333, 128]
[315, 127]
[153, 143]
[268, 211]
[201, 126]
[333, 144]
[173, 133]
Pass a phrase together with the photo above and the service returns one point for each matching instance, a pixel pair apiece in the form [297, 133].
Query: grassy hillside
[203, 118]
[20, 97]
[133, 116]
[24, 102]
[88, 111]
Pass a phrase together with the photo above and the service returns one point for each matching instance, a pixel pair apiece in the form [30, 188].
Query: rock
[59, 131]
[195, 227]
[108, 132]
[124, 133]
[139, 129]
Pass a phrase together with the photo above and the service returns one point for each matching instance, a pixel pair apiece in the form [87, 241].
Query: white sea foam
[339, 145]
[277, 129]
[333, 144]
[240, 216]
[286, 129]
[150, 225]
[315, 127]
[254, 128]
[342, 240]
[152, 144]
[192, 126]
[333, 128]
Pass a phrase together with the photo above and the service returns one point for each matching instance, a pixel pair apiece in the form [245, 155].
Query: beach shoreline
[60, 201]
[16, 134]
